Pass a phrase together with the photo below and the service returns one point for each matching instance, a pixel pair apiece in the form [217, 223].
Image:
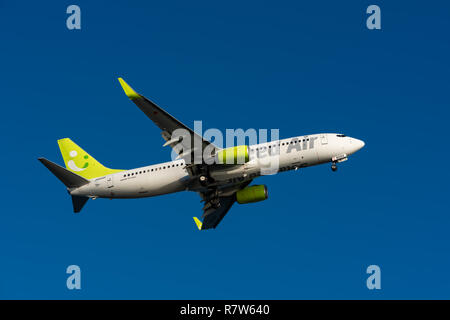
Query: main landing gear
[203, 179]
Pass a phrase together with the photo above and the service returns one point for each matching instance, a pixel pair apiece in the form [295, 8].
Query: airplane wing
[168, 124]
[212, 215]
[216, 207]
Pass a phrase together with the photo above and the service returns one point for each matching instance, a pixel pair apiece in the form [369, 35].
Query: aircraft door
[110, 181]
[324, 139]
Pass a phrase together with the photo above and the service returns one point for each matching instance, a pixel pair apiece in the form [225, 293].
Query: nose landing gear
[333, 166]
[337, 159]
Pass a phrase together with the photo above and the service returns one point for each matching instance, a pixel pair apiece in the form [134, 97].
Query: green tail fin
[80, 162]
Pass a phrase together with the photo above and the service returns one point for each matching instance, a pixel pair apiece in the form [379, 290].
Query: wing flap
[213, 216]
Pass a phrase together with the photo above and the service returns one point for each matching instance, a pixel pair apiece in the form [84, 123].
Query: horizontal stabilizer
[78, 203]
[70, 179]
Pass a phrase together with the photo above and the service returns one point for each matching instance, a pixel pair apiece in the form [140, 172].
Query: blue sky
[300, 67]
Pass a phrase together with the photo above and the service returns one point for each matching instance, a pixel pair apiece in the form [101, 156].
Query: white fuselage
[265, 158]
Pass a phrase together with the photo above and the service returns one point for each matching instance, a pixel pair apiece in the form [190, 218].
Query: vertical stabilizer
[80, 162]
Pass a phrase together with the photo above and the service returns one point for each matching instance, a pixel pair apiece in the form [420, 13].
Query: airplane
[219, 183]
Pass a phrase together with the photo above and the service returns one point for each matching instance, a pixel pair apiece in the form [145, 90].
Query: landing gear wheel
[334, 167]
[203, 179]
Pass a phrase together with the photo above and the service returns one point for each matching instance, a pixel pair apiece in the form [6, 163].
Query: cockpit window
[340, 135]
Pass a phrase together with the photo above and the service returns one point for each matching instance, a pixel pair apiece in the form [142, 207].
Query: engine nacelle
[233, 155]
[252, 194]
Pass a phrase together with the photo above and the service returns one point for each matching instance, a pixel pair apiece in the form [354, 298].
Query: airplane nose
[355, 145]
[359, 144]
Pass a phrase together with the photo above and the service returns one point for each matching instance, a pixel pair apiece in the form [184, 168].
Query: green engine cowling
[233, 155]
[252, 194]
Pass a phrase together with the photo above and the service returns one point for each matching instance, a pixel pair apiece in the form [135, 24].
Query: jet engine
[252, 194]
[233, 155]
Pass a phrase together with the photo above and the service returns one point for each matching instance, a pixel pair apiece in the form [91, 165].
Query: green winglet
[128, 90]
[198, 223]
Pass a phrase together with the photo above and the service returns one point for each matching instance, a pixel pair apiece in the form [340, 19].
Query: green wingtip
[198, 223]
[128, 90]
